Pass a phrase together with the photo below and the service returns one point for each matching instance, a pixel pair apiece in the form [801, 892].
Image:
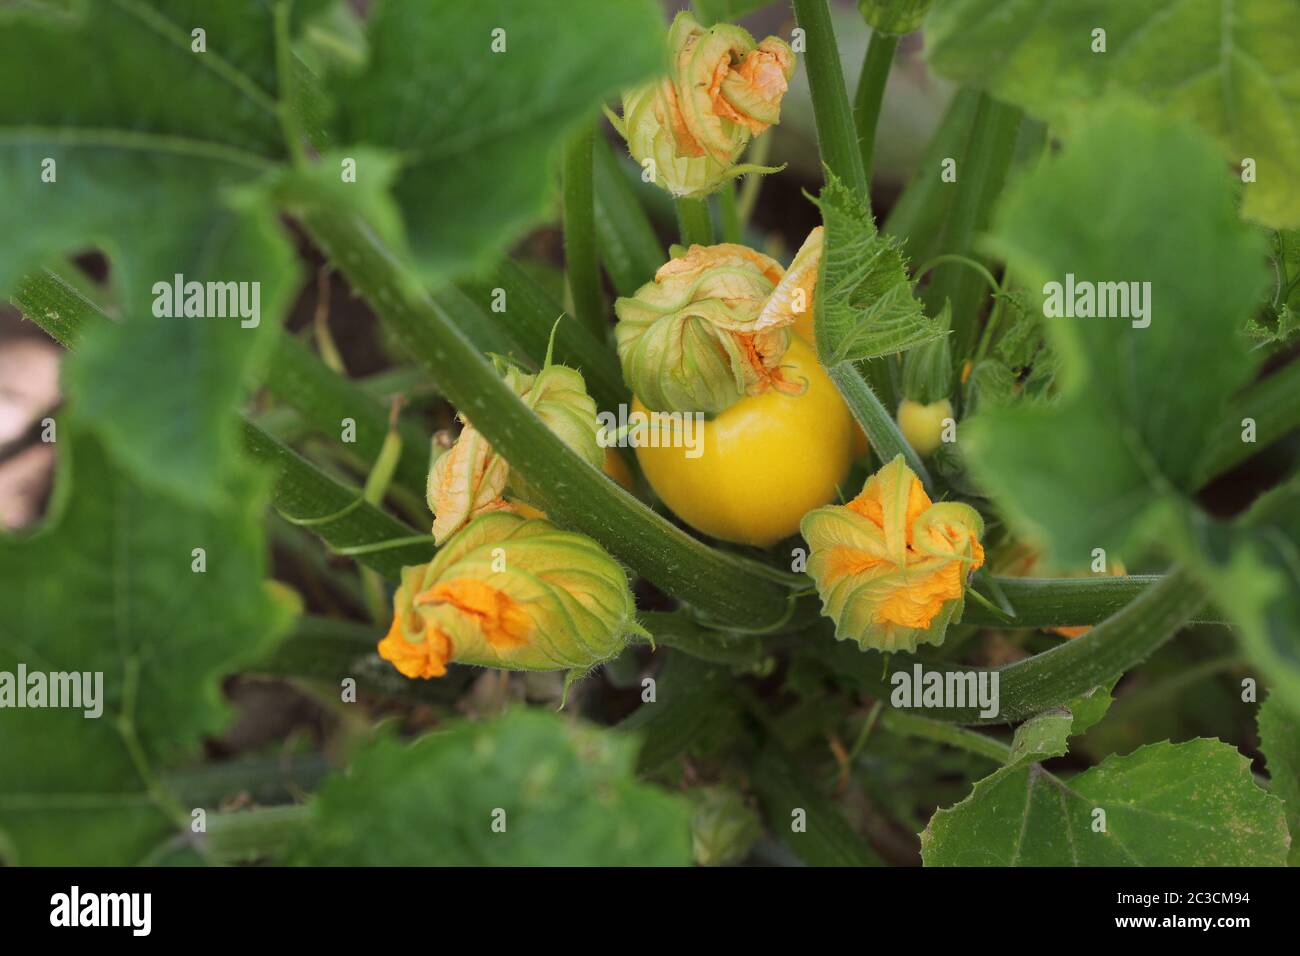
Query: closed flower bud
[712, 327]
[470, 479]
[722, 89]
[512, 593]
[891, 566]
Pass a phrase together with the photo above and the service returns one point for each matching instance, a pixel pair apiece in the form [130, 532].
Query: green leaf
[1279, 739]
[1258, 585]
[864, 303]
[1133, 198]
[325, 399]
[1088, 710]
[803, 818]
[147, 144]
[477, 129]
[107, 586]
[1228, 65]
[1041, 738]
[1188, 804]
[564, 791]
[691, 697]
[336, 513]
[629, 247]
[894, 16]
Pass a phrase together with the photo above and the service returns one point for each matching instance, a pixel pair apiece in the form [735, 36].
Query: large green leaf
[563, 790]
[107, 586]
[1279, 739]
[1134, 198]
[1188, 804]
[475, 128]
[1228, 65]
[148, 138]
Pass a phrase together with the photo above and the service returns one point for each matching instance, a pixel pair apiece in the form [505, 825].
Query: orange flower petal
[425, 659]
[504, 623]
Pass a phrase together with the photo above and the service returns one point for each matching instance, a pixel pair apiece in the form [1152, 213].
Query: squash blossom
[470, 479]
[713, 326]
[721, 90]
[891, 566]
[513, 593]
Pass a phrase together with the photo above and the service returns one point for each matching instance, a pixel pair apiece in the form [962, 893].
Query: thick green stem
[326, 400]
[1053, 678]
[580, 261]
[335, 513]
[721, 586]
[836, 134]
[1273, 403]
[871, 93]
[694, 222]
[918, 215]
[629, 246]
[729, 213]
[886, 440]
[912, 725]
[532, 314]
[1068, 602]
[980, 176]
[260, 834]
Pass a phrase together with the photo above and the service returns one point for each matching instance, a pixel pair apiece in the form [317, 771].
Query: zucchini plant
[498, 383]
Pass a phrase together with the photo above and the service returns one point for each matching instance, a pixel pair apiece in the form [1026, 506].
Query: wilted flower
[891, 566]
[713, 326]
[722, 89]
[470, 479]
[513, 593]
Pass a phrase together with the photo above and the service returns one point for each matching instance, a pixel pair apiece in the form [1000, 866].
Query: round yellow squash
[765, 461]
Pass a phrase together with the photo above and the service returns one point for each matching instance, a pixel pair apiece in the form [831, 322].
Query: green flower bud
[698, 337]
[721, 90]
[512, 593]
[470, 479]
[927, 369]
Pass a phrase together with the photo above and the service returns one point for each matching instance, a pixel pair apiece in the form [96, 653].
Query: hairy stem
[871, 93]
[836, 134]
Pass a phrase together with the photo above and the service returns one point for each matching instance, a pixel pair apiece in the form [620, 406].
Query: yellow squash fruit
[922, 425]
[765, 461]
